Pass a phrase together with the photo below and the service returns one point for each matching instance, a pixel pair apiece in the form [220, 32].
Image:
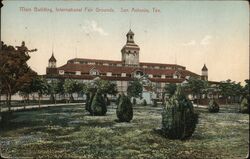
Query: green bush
[124, 109]
[213, 106]
[107, 101]
[178, 117]
[154, 103]
[244, 106]
[144, 103]
[98, 105]
[118, 99]
[89, 100]
[134, 101]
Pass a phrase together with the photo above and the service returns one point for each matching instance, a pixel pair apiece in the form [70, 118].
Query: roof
[120, 62]
[94, 60]
[52, 58]
[131, 46]
[85, 69]
[130, 32]
[204, 68]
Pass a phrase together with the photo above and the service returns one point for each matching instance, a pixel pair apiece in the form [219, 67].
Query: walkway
[37, 106]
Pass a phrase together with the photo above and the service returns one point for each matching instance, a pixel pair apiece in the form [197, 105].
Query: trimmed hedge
[98, 105]
[124, 109]
[213, 106]
[178, 117]
[244, 106]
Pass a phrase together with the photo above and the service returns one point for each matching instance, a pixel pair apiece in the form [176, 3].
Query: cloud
[192, 42]
[91, 26]
[206, 40]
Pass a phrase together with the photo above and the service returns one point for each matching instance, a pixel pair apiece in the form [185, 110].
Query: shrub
[244, 106]
[178, 117]
[107, 101]
[134, 101]
[98, 105]
[124, 109]
[144, 103]
[213, 106]
[89, 100]
[118, 99]
[154, 103]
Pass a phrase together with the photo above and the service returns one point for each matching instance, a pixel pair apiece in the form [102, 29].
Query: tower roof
[204, 68]
[52, 58]
[130, 32]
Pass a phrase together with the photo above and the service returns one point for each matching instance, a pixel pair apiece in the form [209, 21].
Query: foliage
[36, 85]
[230, 89]
[197, 87]
[245, 90]
[135, 89]
[14, 70]
[118, 99]
[213, 106]
[72, 86]
[144, 102]
[178, 118]
[98, 105]
[154, 103]
[104, 87]
[89, 99]
[134, 101]
[169, 89]
[244, 106]
[124, 109]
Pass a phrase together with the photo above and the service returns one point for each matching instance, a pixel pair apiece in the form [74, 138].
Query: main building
[121, 72]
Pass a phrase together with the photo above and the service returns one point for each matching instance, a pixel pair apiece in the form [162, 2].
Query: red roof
[85, 68]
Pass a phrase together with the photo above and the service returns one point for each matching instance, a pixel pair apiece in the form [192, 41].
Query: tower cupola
[130, 51]
[204, 73]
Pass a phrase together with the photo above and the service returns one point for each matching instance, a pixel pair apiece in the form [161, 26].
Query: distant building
[121, 72]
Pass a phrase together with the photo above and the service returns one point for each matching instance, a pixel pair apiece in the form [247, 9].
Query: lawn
[70, 132]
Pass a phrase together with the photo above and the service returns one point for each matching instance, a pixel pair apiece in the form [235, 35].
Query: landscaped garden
[70, 132]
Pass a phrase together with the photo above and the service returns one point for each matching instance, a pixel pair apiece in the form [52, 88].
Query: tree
[40, 86]
[71, 86]
[135, 89]
[197, 87]
[169, 89]
[14, 70]
[53, 90]
[230, 89]
[102, 87]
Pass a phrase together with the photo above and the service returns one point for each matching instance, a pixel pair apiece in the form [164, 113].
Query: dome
[130, 32]
[52, 58]
[204, 68]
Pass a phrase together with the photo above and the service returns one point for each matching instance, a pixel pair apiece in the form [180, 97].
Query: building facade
[123, 71]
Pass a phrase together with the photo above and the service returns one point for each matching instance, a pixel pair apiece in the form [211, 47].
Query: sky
[188, 33]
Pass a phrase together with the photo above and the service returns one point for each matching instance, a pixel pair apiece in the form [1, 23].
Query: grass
[70, 132]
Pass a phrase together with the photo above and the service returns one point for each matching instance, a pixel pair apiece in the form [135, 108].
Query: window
[78, 72]
[94, 72]
[61, 72]
[123, 74]
[109, 73]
